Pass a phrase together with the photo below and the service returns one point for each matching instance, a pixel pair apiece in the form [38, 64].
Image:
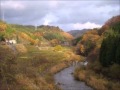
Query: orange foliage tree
[27, 37]
[88, 41]
[2, 27]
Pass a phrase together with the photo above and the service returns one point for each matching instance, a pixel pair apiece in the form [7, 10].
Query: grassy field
[95, 80]
[32, 69]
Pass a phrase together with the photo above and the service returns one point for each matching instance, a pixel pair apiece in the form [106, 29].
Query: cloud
[17, 5]
[78, 26]
[86, 25]
[53, 3]
[66, 14]
[49, 18]
[111, 3]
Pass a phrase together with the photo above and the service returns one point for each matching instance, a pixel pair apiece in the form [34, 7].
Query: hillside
[101, 48]
[31, 62]
[44, 35]
[59, 44]
[52, 32]
[93, 36]
[109, 24]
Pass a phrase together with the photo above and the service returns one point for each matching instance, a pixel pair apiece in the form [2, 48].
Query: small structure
[11, 41]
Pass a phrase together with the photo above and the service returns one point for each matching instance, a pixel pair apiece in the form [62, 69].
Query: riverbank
[33, 69]
[96, 81]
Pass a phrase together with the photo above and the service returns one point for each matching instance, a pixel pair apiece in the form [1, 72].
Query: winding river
[65, 80]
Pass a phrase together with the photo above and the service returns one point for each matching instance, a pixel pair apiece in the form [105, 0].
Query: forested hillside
[44, 35]
[101, 47]
[29, 58]
[59, 44]
[42, 51]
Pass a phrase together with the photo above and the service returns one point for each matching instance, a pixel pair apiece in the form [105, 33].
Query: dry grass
[21, 48]
[115, 86]
[33, 69]
[38, 83]
[58, 67]
[98, 82]
[82, 75]
[34, 73]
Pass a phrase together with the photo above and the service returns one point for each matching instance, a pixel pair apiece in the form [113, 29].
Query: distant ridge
[77, 33]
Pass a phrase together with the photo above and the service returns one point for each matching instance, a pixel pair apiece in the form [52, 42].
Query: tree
[118, 52]
[110, 50]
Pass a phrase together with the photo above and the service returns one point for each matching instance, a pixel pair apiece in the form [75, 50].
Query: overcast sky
[67, 14]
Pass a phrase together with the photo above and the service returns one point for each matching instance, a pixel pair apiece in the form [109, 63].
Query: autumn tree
[2, 31]
[88, 42]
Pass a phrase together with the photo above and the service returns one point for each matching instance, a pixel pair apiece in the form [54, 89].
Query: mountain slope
[29, 35]
[109, 24]
[102, 49]
[77, 33]
[52, 32]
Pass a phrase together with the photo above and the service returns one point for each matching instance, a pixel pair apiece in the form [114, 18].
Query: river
[65, 80]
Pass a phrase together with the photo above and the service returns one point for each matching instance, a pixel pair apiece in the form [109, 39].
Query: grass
[21, 48]
[33, 69]
[97, 81]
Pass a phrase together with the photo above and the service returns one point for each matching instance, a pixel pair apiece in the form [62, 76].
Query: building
[12, 41]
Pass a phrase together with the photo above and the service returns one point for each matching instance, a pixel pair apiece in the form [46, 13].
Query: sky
[67, 14]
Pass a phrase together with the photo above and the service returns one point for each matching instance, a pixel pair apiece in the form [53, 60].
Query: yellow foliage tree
[82, 48]
[54, 42]
[32, 41]
[3, 27]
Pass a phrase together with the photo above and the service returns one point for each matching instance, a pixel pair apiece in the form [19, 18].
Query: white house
[11, 41]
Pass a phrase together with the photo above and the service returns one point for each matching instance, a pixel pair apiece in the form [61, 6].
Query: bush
[7, 69]
[97, 81]
[20, 48]
[58, 48]
[115, 71]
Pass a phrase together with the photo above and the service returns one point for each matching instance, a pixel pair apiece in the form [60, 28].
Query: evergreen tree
[110, 48]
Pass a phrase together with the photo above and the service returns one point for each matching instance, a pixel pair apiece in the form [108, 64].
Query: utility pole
[1, 11]
[3, 15]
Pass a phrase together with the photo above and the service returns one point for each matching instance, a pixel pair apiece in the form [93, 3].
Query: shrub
[115, 71]
[58, 48]
[7, 69]
[21, 48]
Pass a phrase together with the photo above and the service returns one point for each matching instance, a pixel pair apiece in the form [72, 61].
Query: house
[12, 41]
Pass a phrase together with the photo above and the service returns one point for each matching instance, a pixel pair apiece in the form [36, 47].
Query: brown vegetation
[33, 69]
[21, 48]
[102, 50]
[97, 81]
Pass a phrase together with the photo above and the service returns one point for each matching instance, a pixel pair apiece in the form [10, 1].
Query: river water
[65, 80]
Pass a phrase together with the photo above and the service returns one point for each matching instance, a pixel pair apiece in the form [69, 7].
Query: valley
[40, 59]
